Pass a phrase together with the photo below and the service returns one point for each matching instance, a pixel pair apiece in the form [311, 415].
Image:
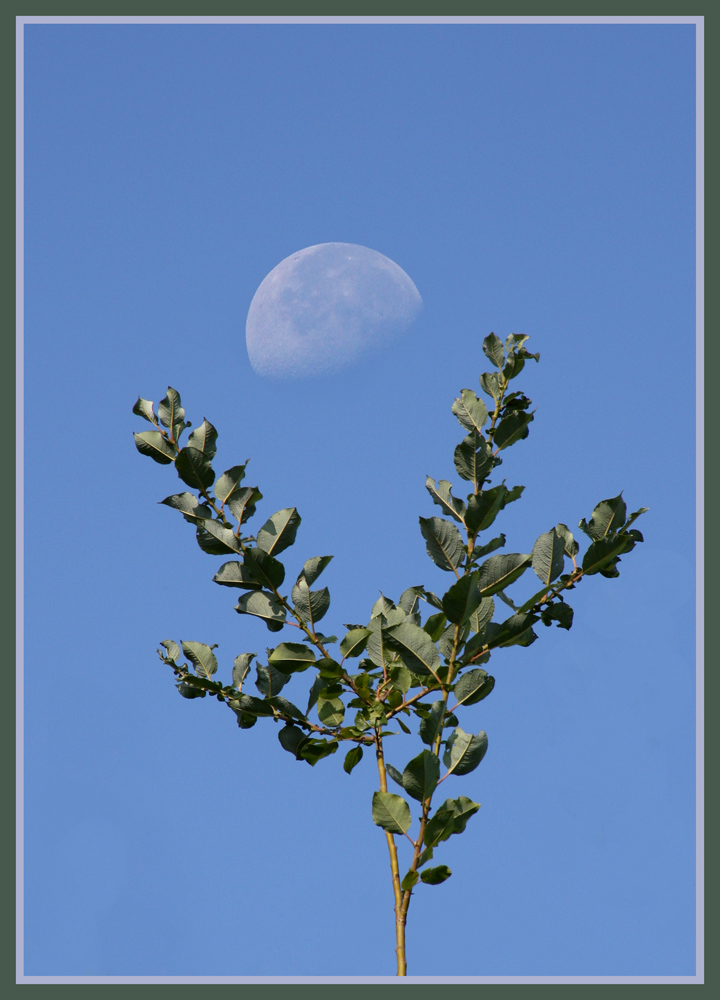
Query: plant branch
[394, 867]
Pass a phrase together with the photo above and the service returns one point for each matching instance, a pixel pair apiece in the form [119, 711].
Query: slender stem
[408, 701]
[400, 916]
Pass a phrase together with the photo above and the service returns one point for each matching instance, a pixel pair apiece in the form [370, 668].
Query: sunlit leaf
[203, 439]
[499, 572]
[547, 556]
[444, 542]
[470, 411]
[228, 482]
[279, 531]
[421, 775]
[155, 446]
[201, 657]
[391, 812]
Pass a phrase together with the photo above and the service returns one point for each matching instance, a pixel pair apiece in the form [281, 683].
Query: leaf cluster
[415, 663]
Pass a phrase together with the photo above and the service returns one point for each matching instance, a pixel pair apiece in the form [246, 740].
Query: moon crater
[323, 307]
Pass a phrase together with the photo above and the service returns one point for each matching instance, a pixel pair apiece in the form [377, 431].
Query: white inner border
[699, 23]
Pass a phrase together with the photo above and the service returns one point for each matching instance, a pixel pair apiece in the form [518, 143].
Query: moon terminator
[323, 307]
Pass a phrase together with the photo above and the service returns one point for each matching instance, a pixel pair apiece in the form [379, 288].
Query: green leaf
[144, 408]
[447, 639]
[242, 502]
[270, 681]
[432, 599]
[331, 711]
[470, 411]
[203, 682]
[376, 641]
[193, 467]
[425, 857]
[409, 602]
[203, 439]
[432, 726]
[514, 631]
[246, 720]
[484, 550]
[209, 543]
[547, 556]
[514, 340]
[634, 517]
[490, 382]
[520, 351]
[228, 482]
[235, 574]
[442, 496]
[506, 600]
[473, 686]
[266, 570]
[464, 751]
[354, 643]
[409, 881]
[241, 668]
[226, 541]
[435, 876]
[286, 708]
[382, 606]
[311, 605]
[483, 508]
[498, 572]
[603, 554]
[559, 612]
[393, 773]
[391, 812]
[292, 739]
[326, 640]
[262, 605]
[514, 494]
[493, 349]
[513, 366]
[396, 617]
[155, 446]
[188, 691]
[352, 758]
[415, 648]
[318, 685]
[313, 568]
[421, 775]
[473, 458]
[435, 625]
[401, 679]
[570, 546]
[201, 657]
[172, 651]
[482, 614]
[291, 657]
[444, 543]
[279, 531]
[314, 750]
[329, 669]
[607, 518]
[171, 413]
[462, 599]
[451, 817]
[189, 507]
[514, 427]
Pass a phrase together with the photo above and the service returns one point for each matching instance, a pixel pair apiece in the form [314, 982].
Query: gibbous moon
[323, 307]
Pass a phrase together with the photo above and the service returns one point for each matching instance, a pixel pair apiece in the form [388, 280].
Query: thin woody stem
[400, 916]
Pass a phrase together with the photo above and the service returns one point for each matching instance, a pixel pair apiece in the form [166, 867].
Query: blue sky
[532, 179]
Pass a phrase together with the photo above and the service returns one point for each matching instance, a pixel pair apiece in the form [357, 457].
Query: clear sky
[529, 179]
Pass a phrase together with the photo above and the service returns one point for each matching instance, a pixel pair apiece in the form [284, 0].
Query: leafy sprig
[404, 664]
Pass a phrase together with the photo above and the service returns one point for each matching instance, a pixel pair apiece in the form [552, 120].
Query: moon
[324, 307]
